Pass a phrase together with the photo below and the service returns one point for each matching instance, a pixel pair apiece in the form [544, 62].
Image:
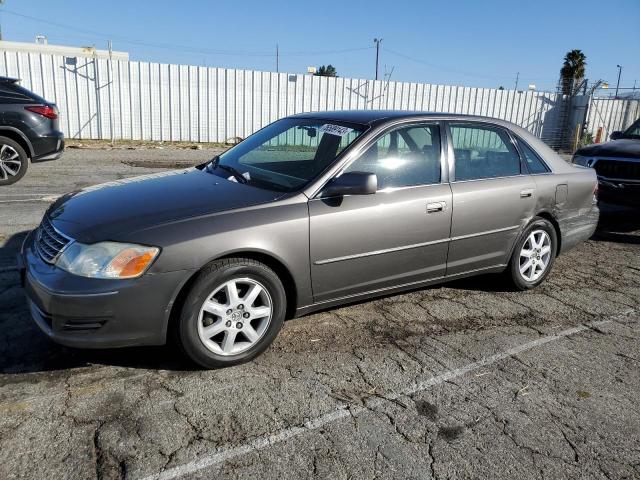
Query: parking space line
[345, 410]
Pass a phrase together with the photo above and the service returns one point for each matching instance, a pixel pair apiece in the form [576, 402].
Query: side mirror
[351, 183]
[615, 135]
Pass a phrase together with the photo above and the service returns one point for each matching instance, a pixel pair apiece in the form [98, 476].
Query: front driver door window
[403, 157]
[360, 243]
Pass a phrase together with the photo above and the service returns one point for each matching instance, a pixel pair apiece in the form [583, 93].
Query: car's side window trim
[451, 151]
[362, 148]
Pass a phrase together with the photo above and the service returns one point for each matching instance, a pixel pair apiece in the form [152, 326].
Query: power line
[183, 48]
[452, 69]
[445, 68]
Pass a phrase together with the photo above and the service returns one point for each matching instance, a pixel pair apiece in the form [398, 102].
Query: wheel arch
[552, 219]
[18, 137]
[269, 260]
[547, 216]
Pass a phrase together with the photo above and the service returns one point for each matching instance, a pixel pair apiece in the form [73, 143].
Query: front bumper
[619, 192]
[97, 313]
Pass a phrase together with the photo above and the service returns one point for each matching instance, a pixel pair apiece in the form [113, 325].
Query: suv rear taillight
[595, 194]
[44, 110]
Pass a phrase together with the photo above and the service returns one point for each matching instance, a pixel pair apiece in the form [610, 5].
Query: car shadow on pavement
[490, 283]
[25, 349]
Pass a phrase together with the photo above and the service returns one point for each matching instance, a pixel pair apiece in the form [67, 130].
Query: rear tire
[232, 313]
[533, 255]
[14, 161]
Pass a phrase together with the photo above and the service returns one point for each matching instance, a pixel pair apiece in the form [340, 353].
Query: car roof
[363, 116]
[8, 80]
[371, 117]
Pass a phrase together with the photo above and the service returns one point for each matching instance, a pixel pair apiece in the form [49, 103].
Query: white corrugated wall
[100, 99]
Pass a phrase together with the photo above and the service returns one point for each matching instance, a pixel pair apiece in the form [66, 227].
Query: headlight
[584, 161]
[107, 259]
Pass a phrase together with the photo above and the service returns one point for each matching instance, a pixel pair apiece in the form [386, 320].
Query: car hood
[106, 211]
[623, 147]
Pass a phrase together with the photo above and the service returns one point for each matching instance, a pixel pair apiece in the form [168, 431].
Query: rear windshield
[633, 131]
[13, 91]
[286, 155]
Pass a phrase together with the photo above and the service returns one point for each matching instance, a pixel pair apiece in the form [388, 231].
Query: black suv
[617, 164]
[28, 130]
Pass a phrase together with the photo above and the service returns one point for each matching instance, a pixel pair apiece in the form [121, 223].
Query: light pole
[377, 42]
[1, 2]
[618, 84]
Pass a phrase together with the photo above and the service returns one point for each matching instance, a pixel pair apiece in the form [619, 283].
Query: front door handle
[526, 193]
[436, 207]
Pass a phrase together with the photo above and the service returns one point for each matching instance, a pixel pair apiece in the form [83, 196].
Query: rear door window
[483, 151]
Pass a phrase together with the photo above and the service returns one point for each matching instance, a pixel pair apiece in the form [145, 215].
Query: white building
[39, 47]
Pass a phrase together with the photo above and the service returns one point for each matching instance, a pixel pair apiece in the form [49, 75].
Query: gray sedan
[313, 211]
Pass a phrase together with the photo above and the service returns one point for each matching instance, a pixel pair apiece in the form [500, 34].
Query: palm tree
[328, 71]
[572, 71]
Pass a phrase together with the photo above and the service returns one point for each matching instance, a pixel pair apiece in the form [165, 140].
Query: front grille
[618, 169]
[49, 241]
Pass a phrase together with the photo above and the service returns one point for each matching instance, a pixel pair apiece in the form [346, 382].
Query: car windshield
[633, 131]
[287, 154]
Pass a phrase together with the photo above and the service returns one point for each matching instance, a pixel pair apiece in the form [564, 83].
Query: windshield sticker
[337, 130]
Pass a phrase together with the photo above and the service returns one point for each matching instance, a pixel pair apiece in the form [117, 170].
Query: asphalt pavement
[463, 380]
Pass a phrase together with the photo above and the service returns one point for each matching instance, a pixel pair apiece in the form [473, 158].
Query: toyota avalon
[313, 211]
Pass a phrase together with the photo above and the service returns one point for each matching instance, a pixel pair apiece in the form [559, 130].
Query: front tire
[233, 312]
[13, 161]
[533, 255]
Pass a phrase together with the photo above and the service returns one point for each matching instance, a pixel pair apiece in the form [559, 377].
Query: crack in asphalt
[225, 453]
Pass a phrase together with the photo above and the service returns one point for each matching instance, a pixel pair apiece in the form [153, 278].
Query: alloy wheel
[10, 162]
[235, 316]
[535, 255]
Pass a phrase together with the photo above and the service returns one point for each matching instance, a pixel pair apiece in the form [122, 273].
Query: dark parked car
[29, 130]
[312, 211]
[617, 164]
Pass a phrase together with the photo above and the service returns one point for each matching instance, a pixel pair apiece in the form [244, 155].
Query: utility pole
[277, 59]
[377, 42]
[109, 44]
[618, 84]
[1, 2]
[517, 78]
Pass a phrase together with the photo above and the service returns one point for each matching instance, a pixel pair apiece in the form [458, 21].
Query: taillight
[595, 193]
[44, 110]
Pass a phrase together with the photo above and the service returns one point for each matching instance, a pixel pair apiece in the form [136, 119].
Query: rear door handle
[526, 193]
[436, 207]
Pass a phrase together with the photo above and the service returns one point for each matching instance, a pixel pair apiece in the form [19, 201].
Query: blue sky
[474, 43]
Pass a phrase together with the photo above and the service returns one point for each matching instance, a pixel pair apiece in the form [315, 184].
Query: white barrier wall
[101, 99]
